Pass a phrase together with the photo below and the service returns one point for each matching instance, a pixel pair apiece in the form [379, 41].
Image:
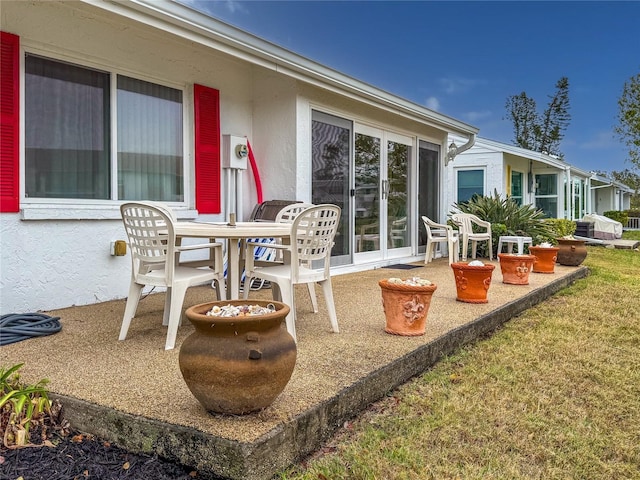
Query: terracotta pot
[516, 268]
[472, 282]
[546, 257]
[406, 307]
[572, 252]
[237, 365]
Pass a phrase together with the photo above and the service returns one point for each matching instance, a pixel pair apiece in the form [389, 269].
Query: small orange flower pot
[472, 282]
[516, 268]
[546, 257]
[406, 307]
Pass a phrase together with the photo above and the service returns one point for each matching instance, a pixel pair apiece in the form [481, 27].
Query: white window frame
[468, 169]
[100, 209]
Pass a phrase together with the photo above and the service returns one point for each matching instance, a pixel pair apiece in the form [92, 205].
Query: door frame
[385, 251]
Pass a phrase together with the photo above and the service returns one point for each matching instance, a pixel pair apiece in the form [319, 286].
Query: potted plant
[516, 268]
[546, 257]
[405, 304]
[572, 251]
[239, 359]
[473, 280]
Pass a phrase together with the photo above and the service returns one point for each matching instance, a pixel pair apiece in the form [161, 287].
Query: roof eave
[198, 27]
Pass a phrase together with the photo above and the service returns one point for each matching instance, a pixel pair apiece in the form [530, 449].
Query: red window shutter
[207, 148]
[9, 122]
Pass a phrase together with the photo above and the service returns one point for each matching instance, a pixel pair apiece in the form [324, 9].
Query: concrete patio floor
[132, 393]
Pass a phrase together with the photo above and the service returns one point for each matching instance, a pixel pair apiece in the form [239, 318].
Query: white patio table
[233, 234]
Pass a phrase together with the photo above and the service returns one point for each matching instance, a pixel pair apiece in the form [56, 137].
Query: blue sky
[464, 59]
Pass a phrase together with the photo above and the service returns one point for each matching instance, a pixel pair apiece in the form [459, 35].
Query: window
[547, 194]
[516, 187]
[428, 191]
[470, 183]
[578, 198]
[69, 127]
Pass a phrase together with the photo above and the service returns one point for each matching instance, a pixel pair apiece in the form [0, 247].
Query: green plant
[507, 218]
[560, 227]
[20, 406]
[622, 217]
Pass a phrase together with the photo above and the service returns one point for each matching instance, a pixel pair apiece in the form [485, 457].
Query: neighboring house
[559, 189]
[607, 195]
[104, 102]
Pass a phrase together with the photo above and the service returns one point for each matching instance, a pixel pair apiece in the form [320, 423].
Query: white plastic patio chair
[312, 235]
[154, 262]
[465, 222]
[204, 262]
[439, 233]
[265, 256]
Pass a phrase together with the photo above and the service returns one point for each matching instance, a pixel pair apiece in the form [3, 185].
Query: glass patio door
[381, 194]
[331, 160]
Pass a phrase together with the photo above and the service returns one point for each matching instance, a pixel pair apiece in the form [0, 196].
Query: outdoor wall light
[451, 153]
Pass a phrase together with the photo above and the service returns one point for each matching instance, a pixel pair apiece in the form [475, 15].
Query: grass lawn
[554, 394]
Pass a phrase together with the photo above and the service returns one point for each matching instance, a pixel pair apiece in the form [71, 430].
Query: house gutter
[468, 145]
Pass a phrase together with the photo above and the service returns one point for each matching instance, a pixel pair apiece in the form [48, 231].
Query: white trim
[468, 168]
[36, 208]
[87, 212]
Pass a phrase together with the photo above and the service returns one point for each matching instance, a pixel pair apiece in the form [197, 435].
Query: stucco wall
[55, 255]
[63, 258]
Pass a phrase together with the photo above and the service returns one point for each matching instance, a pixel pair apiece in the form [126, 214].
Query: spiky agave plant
[509, 217]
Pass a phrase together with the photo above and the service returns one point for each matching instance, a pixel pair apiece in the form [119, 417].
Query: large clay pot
[572, 252]
[546, 258]
[516, 268]
[472, 281]
[237, 365]
[406, 307]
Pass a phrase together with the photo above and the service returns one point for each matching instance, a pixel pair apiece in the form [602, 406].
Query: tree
[628, 128]
[555, 119]
[522, 112]
[540, 133]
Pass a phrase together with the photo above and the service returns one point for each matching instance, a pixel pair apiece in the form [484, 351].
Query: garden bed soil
[79, 456]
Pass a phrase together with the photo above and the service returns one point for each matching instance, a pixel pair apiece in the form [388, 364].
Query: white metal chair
[154, 262]
[465, 222]
[439, 233]
[312, 235]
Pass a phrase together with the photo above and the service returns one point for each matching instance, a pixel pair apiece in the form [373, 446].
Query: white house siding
[63, 257]
[55, 255]
[488, 161]
[497, 158]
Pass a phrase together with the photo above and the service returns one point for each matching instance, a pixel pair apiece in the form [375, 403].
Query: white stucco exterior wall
[55, 253]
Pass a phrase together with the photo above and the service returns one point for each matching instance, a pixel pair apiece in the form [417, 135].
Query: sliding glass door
[381, 194]
[331, 159]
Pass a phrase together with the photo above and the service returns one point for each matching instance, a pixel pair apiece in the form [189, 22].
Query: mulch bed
[79, 456]
[58, 452]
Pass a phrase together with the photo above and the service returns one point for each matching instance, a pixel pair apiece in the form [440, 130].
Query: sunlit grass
[555, 394]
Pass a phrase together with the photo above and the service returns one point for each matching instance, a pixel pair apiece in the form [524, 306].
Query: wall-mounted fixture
[455, 150]
[451, 153]
[234, 152]
[118, 248]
